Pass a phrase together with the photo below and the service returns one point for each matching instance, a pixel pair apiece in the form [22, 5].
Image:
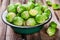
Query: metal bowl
[25, 29]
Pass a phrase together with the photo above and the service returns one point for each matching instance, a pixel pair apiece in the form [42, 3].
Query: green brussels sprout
[53, 24]
[47, 11]
[25, 15]
[33, 12]
[51, 31]
[30, 5]
[38, 5]
[38, 9]
[31, 22]
[45, 16]
[11, 8]
[44, 7]
[40, 18]
[20, 9]
[56, 6]
[17, 4]
[49, 3]
[18, 21]
[10, 16]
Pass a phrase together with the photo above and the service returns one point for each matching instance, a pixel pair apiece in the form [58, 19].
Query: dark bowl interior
[25, 29]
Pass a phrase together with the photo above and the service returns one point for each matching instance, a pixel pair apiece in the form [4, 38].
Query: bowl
[25, 29]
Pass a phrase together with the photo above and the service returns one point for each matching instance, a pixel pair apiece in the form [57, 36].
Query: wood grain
[11, 35]
[2, 25]
[57, 13]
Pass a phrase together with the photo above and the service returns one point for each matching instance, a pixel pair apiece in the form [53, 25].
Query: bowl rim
[3, 16]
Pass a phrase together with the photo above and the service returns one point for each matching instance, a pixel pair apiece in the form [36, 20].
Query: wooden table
[6, 33]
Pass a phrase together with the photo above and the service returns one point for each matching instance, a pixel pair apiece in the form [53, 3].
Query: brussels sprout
[33, 12]
[56, 6]
[10, 16]
[40, 18]
[25, 15]
[53, 24]
[30, 22]
[38, 5]
[18, 21]
[17, 4]
[47, 11]
[11, 8]
[30, 5]
[51, 31]
[38, 9]
[44, 7]
[49, 2]
[45, 16]
[20, 9]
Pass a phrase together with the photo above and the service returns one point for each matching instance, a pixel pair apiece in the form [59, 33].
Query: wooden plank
[35, 36]
[11, 35]
[14, 1]
[0, 2]
[4, 5]
[57, 13]
[2, 25]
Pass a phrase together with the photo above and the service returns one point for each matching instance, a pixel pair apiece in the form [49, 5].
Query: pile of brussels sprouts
[29, 14]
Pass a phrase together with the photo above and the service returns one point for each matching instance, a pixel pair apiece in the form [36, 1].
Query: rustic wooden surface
[6, 33]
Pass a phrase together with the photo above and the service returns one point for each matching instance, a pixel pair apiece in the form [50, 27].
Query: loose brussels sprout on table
[52, 29]
[29, 14]
[55, 6]
[53, 25]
